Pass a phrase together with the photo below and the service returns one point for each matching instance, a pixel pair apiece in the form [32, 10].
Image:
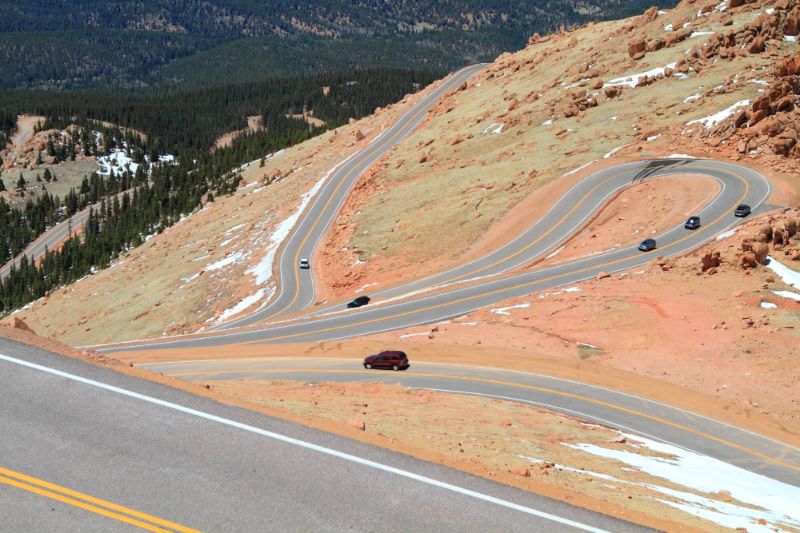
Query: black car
[692, 223]
[358, 302]
[742, 210]
[396, 360]
[647, 245]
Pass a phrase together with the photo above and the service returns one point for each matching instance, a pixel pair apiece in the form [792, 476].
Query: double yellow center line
[89, 503]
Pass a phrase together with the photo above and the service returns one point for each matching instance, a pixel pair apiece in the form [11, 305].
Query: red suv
[391, 359]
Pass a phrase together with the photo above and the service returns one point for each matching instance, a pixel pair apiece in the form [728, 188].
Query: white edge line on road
[304, 444]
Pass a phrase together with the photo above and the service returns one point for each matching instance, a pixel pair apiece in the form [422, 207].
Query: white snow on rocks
[505, 310]
[716, 118]
[691, 98]
[725, 234]
[789, 276]
[680, 156]
[632, 80]
[768, 305]
[752, 496]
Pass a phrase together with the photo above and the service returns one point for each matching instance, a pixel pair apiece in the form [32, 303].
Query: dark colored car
[742, 210]
[647, 245]
[358, 302]
[692, 223]
[395, 360]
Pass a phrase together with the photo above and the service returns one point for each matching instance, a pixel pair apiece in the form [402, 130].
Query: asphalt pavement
[634, 414]
[86, 448]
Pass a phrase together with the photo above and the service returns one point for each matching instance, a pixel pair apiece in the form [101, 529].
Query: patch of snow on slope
[716, 118]
[760, 496]
[788, 294]
[573, 171]
[688, 99]
[790, 38]
[725, 234]
[225, 261]
[789, 276]
[494, 128]
[614, 151]
[241, 306]
[263, 269]
[632, 79]
[407, 335]
[505, 310]
[768, 305]
[680, 156]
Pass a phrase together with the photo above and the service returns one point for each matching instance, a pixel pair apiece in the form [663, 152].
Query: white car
[304, 263]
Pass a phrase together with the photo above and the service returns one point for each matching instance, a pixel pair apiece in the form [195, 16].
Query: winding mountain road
[290, 470]
[489, 280]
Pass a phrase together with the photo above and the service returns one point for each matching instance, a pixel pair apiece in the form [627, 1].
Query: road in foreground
[619, 410]
[177, 461]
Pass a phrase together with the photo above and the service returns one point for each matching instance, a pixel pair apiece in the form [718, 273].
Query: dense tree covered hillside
[85, 43]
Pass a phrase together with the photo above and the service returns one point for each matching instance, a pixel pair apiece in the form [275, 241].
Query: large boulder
[757, 45]
[16, 323]
[760, 251]
[710, 260]
[636, 47]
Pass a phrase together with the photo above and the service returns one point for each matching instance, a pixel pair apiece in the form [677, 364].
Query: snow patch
[768, 305]
[725, 234]
[789, 276]
[494, 128]
[691, 98]
[407, 335]
[573, 171]
[241, 306]
[547, 122]
[680, 156]
[505, 310]
[633, 79]
[225, 261]
[716, 118]
[555, 253]
[788, 294]
[753, 496]
[614, 151]
[790, 38]
[263, 269]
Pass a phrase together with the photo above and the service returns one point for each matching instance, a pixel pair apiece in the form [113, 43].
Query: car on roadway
[304, 263]
[692, 223]
[394, 359]
[742, 210]
[647, 245]
[358, 302]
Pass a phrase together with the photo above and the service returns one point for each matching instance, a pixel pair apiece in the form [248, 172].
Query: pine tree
[2, 186]
[21, 182]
